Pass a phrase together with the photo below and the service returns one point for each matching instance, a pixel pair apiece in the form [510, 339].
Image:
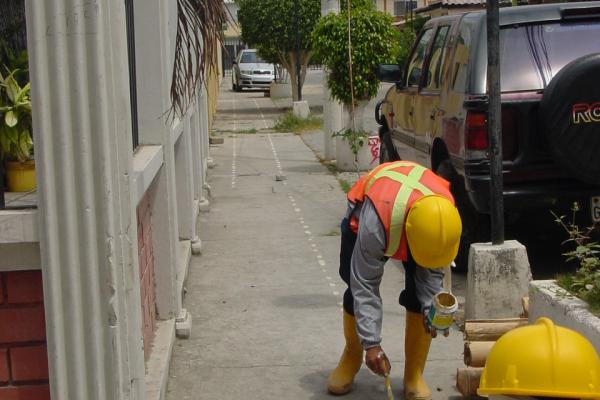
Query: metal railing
[129, 16]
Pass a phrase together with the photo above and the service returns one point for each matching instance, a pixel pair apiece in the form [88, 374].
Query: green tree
[197, 42]
[357, 4]
[374, 41]
[407, 37]
[268, 25]
[406, 41]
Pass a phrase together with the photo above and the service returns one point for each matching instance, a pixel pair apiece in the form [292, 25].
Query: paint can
[443, 308]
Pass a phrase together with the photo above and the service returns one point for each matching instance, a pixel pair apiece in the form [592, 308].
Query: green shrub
[374, 41]
[585, 281]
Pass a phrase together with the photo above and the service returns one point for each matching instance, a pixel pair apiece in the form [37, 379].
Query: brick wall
[146, 257]
[23, 354]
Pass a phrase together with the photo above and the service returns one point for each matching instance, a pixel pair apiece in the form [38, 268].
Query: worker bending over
[404, 211]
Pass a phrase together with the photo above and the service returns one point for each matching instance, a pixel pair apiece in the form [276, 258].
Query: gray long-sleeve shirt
[366, 271]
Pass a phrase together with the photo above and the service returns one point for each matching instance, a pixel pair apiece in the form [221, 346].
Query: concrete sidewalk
[265, 294]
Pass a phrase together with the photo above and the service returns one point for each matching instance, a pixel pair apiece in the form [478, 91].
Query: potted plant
[16, 143]
[351, 45]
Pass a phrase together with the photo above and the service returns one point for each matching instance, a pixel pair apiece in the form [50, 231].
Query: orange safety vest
[393, 188]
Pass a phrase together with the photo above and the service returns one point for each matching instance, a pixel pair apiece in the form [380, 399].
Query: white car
[250, 71]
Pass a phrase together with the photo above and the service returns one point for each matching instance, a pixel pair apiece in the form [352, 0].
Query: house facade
[438, 8]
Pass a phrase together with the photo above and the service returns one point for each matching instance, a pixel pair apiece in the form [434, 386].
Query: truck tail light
[476, 131]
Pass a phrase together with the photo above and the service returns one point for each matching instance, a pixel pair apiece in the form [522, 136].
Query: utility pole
[298, 63]
[488, 278]
[495, 122]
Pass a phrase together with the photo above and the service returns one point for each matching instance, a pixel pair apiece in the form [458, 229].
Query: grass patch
[591, 297]
[346, 186]
[288, 122]
[330, 166]
[245, 131]
[236, 132]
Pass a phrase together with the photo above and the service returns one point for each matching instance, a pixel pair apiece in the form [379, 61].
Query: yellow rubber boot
[341, 378]
[416, 348]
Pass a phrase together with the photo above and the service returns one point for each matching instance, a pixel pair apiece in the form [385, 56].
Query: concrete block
[547, 299]
[204, 205]
[497, 280]
[183, 324]
[19, 256]
[196, 246]
[216, 140]
[19, 226]
[206, 187]
[366, 159]
[301, 109]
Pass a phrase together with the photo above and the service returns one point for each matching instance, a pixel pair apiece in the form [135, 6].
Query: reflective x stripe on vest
[408, 183]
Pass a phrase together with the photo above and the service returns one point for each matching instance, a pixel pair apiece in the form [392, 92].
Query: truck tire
[387, 152]
[379, 118]
[570, 111]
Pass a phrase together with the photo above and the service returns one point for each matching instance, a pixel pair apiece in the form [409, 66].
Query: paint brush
[388, 387]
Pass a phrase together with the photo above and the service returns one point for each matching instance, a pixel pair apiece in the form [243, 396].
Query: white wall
[90, 180]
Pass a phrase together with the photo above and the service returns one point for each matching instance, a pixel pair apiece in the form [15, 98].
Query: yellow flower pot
[20, 176]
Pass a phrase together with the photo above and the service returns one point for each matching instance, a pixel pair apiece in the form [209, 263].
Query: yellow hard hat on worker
[542, 360]
[433, 229]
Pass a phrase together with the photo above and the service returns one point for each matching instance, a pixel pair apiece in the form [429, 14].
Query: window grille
[402, 7]
[129, 16]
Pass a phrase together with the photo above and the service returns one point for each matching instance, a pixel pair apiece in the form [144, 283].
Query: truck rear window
[531, 55]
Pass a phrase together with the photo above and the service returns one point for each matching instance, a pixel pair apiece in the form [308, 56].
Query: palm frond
[199, 36]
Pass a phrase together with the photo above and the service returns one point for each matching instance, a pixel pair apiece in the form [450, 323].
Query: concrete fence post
[88, 232]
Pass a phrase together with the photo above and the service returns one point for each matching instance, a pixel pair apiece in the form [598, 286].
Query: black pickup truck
[550, 81]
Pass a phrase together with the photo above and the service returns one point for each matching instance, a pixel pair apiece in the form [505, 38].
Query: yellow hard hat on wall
[433, 229]
[542, 360]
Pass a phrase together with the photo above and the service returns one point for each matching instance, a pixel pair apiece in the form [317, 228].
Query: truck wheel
[383, 154]
[475, 226]
[570, 111]
[379, 118]
[387, 152]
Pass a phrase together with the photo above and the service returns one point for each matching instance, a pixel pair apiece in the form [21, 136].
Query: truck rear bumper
[557, 196]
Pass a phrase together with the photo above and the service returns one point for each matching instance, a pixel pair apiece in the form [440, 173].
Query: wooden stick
[476, 353]
[447, 282]
[467, 380]
[490, 330]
